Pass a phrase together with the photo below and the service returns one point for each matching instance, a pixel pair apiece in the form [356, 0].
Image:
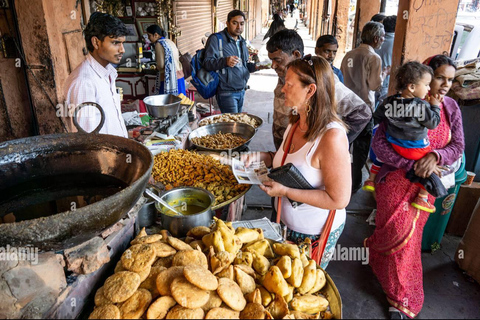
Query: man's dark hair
[287, 40]
[410, 72]
[379, 17]
[156, 29]
[440, 60]
[102, 25]
[326, 39]
[234, 13]
[389, 23]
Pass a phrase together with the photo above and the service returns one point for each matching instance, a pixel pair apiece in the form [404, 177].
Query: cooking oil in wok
[46, 196]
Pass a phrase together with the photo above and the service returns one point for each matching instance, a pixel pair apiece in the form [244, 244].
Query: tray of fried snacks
[216, 272]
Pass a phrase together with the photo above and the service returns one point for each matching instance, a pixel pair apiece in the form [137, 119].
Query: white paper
[255, 173]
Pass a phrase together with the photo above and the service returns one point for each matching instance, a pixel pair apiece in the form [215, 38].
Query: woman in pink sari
[395, 246]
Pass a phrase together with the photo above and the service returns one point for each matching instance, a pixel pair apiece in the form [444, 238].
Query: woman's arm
[334, 159]
[385, 152]
[160, 57]
[452, 151]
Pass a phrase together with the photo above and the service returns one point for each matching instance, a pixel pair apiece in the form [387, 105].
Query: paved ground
[448, 293]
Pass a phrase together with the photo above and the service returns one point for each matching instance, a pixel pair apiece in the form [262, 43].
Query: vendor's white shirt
[91, 82]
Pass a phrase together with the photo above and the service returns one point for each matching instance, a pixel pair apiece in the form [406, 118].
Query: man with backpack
[226, 53]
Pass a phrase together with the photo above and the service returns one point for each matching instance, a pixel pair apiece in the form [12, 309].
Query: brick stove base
[60, 285]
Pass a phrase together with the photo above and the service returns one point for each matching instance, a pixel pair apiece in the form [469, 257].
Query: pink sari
[395, 246]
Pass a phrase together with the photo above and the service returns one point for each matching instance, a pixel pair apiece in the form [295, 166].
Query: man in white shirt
[94, 79]
[363, 74]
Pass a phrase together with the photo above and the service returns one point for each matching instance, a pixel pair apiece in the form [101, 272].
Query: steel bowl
[257, 118]
[185, 196]
[162, 105]
[244, 130]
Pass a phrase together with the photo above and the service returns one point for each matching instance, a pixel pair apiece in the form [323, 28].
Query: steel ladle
[166, 205]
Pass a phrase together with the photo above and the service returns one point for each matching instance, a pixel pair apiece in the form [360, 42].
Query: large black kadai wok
[64, 189]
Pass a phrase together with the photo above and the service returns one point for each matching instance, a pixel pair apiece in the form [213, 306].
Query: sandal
[369, 186]
[424, 205]
[396, 314]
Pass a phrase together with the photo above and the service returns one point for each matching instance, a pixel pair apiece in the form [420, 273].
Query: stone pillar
[52, 40]
[319, 20]
[341, 28]
[366, 9]
[424, 28]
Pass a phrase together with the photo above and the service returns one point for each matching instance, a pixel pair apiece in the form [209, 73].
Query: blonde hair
[322, 103]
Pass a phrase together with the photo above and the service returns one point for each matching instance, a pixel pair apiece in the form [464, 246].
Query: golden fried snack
[200, 277]
[227, 273]
[198, 245]
[214, 301]
[222, 313]
[275, 283]
[285, 266]
[289, 296]
[248, 270]
[178, 244]
[214, 240]
[121, 286]
[286, 249]
[100, 299]
[162, 249]
[144, 273]
[231, 294]
[220, 140]
[119, 267]
[303, 315]
[320, 282]
[189, 257]
[136, 305]
[108, 311]
[231, 117]
[260, 247]
[179, 312]
[146, 239]
[151, 282]
[261, 264]
[253, 311]
[178, 168]
[138, 257]
[160, 307]
[309, 277]
[198, 232]
[309, 303]
[244, 281]
[297, 273]
[245, 258]
[266, 296]
[188, 295]
[278, 308]
[254, 296]
[247, 235]
[220, 260]
[165, 279]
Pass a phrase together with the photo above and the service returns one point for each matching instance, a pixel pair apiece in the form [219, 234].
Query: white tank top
[306, 218]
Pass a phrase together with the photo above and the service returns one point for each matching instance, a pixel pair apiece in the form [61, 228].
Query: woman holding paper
[316, 143]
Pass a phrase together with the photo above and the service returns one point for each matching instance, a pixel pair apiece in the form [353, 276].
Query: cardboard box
[468, 251]
[462, 211]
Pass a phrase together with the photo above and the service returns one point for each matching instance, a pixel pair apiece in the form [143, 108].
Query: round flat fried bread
[198, 232]
[138, 257]
[214, 301]
[200, 277]
[136, 305]
[164, 262]
[151, 282]
[144, 273]
[185, 258]
[222, 313]
[119, 267]
[165, 278]
[162, 249]
[100, 299]
[231, 294]
[179, 312]
[178, 244]
[147, 239]
[108, 311]
[160, 307]
[187, 295]
[121, 286]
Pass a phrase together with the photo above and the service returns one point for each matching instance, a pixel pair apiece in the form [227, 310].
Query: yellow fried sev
[178, 168]
[220, 140]
[241, 117]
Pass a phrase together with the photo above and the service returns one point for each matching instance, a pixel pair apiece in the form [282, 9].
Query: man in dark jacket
[231, 63]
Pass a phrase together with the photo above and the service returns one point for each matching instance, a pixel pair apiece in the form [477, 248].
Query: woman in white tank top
[319, 150]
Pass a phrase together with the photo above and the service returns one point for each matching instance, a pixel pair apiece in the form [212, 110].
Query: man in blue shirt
[327, 47]
[231, 63]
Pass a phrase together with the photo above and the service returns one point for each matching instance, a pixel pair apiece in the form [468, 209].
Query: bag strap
[220, 48]
[285, 153]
